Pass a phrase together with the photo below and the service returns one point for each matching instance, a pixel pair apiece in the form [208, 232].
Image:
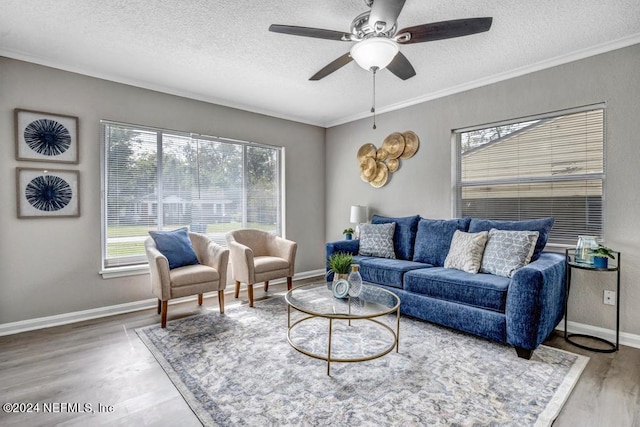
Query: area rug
[238, 369]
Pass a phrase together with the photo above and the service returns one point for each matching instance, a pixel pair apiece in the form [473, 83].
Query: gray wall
[50, 266]
[423, 184]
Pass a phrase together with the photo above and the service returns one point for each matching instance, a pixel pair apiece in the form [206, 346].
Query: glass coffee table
[317, 301]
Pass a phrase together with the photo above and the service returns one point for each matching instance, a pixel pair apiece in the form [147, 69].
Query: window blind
[551, 165]
[157, 179]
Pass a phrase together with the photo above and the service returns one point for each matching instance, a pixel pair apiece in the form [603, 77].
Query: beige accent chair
[210, 275]
[259, 256]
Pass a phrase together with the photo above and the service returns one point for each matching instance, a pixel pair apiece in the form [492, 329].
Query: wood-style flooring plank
[608, 392]
[102, 361]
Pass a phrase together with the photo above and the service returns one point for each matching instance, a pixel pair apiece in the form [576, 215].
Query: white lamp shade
[374, 52]
[358, 214]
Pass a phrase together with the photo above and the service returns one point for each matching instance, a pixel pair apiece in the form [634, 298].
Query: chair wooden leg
[163, 321]
[266, 285]
[237, 289]
[159, 305]
[250, 290]
[199, 299]
[289, 283]
[221, 301]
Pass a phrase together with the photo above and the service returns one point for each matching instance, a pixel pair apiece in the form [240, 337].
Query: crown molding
[517, 72]
[48, 62]
[542, 65]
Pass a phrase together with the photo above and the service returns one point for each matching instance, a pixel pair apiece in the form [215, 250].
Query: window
[162, 180]
[548, 165]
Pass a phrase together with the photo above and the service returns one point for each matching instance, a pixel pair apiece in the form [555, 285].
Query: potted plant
[601, 256]
[348, 233]
[340, 265]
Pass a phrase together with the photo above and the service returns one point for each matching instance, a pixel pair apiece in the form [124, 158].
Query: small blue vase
[600, 262]
[347, 236]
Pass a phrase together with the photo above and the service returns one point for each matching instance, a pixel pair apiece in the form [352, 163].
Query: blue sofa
[521, 310]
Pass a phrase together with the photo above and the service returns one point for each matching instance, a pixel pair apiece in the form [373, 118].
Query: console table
[570, 265]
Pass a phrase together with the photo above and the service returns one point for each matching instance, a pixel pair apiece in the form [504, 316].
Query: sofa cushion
[388, 272]
[542, 226]
[507, 251]
[434, 239]
[175, 246]
[486, 291]
[466, 251]
[377, 240]
[405, 235]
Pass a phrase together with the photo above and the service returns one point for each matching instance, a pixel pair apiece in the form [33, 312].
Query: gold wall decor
[376, 164]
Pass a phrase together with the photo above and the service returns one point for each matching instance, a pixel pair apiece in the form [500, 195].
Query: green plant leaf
[340, 262]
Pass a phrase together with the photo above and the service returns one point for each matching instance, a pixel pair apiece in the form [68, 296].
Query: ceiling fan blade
[386, 11]
[401, 67]
[445, 30]
[318, 33]
[332, 66]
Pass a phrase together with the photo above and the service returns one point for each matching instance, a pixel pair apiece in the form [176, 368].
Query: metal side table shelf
[570, 265]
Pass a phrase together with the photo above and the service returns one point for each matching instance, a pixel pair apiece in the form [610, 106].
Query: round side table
[570, 265]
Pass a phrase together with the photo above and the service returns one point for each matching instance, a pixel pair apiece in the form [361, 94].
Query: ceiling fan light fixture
[374, 52]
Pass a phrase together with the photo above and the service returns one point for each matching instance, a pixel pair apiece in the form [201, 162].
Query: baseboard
[73, 317]
[631, 340]
[95, 313]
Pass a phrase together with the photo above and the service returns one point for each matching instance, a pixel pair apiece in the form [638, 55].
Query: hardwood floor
[102, 362]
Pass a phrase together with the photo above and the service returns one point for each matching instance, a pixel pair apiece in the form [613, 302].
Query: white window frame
[139, 265]
[561, 238]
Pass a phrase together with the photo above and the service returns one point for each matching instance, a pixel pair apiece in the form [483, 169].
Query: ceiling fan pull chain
[373, 107]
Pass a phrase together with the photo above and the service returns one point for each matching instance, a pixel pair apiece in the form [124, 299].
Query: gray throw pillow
[466, 251]
[507, 251]
[377, 240]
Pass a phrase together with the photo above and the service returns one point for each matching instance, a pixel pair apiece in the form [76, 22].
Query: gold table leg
[398, 330]
[329, 348]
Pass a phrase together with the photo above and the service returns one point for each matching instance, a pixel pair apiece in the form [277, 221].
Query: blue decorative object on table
[600, 262]
[341, 288]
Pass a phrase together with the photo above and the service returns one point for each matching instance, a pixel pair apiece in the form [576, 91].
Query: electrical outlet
[610, 297]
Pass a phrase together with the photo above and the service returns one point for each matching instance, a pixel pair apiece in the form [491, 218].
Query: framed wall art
[43, 193]
[46, 137]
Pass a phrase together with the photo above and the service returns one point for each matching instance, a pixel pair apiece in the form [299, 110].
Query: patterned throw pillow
[507, 251]
[466, 251]
[542, 226]
[404, 238]
[377, 240]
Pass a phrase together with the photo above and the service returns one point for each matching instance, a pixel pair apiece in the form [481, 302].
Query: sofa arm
[348, 246]
[535, 301]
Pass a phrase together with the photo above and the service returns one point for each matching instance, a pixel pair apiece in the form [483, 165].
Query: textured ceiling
[221, 50]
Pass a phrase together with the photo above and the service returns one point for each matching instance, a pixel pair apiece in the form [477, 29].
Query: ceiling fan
[377, 37]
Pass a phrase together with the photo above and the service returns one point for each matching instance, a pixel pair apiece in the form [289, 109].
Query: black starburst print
[47, 137]
[48, 193]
